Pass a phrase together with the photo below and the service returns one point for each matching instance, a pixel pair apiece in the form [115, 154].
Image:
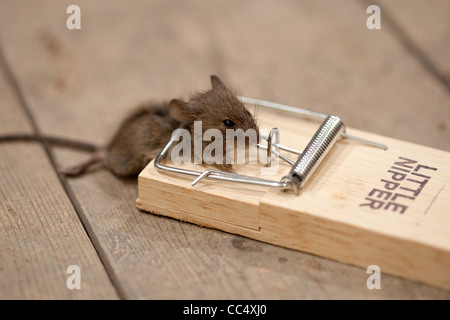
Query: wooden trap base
[363, 206]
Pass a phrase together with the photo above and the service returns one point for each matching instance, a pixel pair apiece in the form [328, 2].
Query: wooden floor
[79, 83]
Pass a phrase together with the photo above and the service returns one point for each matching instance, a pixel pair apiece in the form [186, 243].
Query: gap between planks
[409, 44]
[10, 77]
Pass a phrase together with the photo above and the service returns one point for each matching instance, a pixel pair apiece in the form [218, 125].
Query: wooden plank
[346, 212]
[426, 25]
[87, 80]
[40, 232]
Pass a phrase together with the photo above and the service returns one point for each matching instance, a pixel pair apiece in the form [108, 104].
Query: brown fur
[144, 133]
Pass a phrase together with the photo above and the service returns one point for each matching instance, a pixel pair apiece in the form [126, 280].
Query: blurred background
[318, 55]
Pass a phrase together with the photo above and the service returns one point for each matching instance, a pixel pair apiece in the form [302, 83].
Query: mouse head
[218, 108]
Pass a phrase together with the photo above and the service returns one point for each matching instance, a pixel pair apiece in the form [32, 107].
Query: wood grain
[316, 54]
[334, 215]
[40, 232]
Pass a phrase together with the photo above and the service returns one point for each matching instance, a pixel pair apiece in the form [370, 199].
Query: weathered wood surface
[315, 54]
[40, 232]
[426, 26]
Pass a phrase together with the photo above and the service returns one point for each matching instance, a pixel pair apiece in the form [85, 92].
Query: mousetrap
[336, 192]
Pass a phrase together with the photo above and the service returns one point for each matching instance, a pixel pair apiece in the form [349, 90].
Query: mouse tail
[52, 140]
[77, 170]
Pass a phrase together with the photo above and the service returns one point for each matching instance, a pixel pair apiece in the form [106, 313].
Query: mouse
[147, 129]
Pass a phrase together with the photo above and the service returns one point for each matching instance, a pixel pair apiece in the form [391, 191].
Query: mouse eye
[228, 123]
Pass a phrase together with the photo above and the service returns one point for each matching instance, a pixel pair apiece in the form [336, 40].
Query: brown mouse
[143, 134]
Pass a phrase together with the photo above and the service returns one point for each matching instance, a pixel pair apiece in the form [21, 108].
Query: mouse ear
[180, 110]
[217, 83]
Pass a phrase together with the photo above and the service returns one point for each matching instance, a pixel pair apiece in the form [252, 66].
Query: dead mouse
[143, 134]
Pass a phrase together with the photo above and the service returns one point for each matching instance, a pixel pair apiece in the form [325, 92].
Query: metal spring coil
[323, 140]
